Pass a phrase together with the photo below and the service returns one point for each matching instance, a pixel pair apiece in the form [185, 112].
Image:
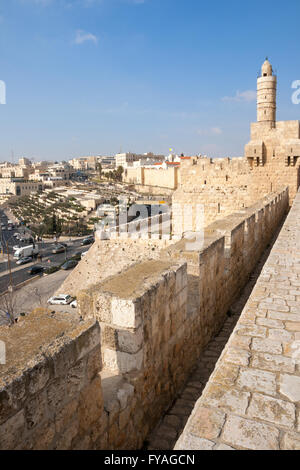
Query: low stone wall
[50, 391]
[252, 400]
[157, 310]
[142, 313]
[217, 273]
[157, 227]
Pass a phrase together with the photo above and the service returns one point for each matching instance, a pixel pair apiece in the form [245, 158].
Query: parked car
[74, 304]
[84, 253]
[87, 241]
[25, 260]
[17, 235]
[51, 270]
[61, 299]
[69, 264]
[36, 269]
[58, 249]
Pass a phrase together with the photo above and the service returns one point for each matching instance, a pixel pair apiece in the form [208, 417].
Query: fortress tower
[266, 95]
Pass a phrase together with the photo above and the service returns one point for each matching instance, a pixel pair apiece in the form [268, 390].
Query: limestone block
[207, 423]
[290, 387]
[226, 398]
[90, 406]
[291, 441]
[266, 345]
[121, 361]
[273, 362]
[124, 393]
[273, 410]
[87, 341]
[188, 441]
[103, 308]
[247, 434]
[125, 313]
[130, 341]
[258, 380]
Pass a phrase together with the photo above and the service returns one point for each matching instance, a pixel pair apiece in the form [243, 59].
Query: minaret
[266, 95]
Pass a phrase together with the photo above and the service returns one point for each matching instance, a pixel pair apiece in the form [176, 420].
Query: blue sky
[96, 76]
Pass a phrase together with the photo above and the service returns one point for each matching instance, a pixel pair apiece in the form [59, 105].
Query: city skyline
[94, 77]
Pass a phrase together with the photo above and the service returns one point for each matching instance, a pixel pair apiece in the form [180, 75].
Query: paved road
[20, 274]
[27, 298]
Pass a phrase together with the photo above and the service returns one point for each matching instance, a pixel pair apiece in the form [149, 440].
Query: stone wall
[161, 178]
[157, 311]
[252, 400]
[142, 313]
[217, 273]
[50, 391]
[223, 186]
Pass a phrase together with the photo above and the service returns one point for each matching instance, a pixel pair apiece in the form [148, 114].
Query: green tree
[119, 172]
[99, 168]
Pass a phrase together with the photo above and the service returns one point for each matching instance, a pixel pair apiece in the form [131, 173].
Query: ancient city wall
[156, 316]
[217, 273]
[161, 178]
[252, 400]
[50, 392]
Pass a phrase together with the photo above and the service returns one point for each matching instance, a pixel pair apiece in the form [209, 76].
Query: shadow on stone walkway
[166, 434]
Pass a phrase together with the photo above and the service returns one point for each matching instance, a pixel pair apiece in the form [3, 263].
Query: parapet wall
[231, 248]
[252, 400]
[156, 316]
[50, 391]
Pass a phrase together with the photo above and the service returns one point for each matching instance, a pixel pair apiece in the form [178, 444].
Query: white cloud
[82, 36]
[248, 95]
[210, 131]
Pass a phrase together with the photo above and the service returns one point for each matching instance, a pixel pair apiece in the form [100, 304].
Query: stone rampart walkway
[252, 399]
[239, 358]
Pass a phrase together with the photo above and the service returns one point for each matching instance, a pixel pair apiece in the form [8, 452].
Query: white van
[25, 251]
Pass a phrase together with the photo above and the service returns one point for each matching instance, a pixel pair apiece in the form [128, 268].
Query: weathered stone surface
[226, 398]
[191, 442]
[289, 385]
[273, 362]
[266, 345]
[271, 409]
[257, 380]
[207, 423]
[269, 371]
[248, 434]
[291, 442]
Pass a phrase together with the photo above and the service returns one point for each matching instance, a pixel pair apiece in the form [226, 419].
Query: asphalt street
[20, 273]
[37, 293]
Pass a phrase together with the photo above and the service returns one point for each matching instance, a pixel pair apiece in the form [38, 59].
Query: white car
[84, 253]
[61, 299]
[73, 304]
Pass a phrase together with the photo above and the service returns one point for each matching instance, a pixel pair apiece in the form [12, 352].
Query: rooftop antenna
[12, 157]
